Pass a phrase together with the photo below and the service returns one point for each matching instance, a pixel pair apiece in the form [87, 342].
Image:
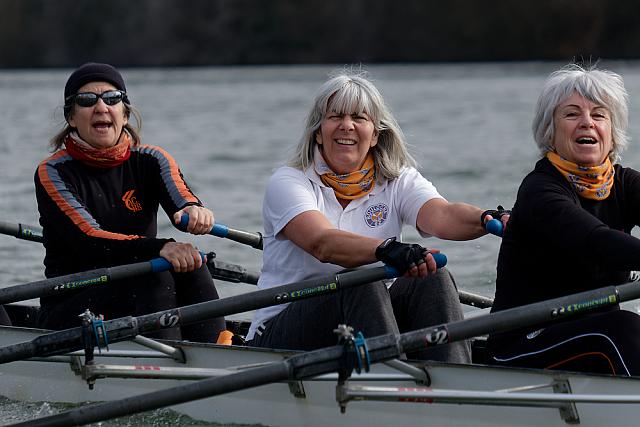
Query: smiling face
[99, 125]
[582, 131]
[345, 140]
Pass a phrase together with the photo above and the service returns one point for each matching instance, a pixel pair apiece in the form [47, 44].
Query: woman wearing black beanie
[98, 195]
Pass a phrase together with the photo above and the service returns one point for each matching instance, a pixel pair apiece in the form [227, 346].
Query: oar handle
[220, 230]
[440, 258]
[494, 226]
[101, 276]
[159, 265]
[128, 327]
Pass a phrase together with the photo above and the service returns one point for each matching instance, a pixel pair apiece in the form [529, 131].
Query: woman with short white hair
[570, 229]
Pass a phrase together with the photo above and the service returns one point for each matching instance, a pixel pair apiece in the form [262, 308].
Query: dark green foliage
[46, 33]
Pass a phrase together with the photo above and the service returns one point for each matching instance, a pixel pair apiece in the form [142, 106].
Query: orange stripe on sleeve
[70, 211]
[181, 186]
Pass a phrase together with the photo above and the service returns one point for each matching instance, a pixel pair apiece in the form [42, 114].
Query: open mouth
[586, 141]
[101, 126]
[345, 142]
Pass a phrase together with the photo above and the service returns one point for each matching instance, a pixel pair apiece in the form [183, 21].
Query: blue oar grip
[219, 230]
[158, 265]
[184, 221]
[440, 258]
[494, 226]
[391, 272]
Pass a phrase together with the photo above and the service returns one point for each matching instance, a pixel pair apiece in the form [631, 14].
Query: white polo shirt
[290, 192]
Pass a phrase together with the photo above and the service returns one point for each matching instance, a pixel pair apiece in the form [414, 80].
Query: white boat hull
[276, 405]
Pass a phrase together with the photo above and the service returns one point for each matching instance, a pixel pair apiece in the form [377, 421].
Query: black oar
[252, 239]
[235, 273]
[230, 272]
[332, 359]
[220, 269]
[474, 300]
[100, 276]
[128, 327]
[21, 231]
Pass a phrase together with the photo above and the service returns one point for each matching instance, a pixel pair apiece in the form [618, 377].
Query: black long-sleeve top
[557, 243]
[93, 217]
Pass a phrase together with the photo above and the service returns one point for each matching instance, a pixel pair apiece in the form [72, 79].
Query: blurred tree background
[64, 33]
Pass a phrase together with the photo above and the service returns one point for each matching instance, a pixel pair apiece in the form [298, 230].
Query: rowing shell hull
[315, 405]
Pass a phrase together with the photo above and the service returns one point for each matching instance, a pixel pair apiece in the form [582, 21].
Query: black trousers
[605, 343]
[373, 310]
[135, 297]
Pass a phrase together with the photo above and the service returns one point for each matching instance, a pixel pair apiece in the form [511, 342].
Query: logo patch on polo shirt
[376, 215]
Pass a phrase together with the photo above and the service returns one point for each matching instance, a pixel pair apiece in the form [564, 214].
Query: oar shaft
[218, 269]
[264, 298]
[128, 327]
[220, 230]
[96, 277]
[331, 359]
[231, 272]
[474, 300]
[248, 238]
[520, 317]
[22, 231]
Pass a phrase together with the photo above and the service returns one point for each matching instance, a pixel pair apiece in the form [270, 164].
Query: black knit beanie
[91, 72]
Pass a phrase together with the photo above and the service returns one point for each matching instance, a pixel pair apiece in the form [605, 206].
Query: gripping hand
[495, 213]
[401, 256]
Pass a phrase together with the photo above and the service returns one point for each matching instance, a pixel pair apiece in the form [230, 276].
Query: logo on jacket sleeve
[131, 202]
[376, 215]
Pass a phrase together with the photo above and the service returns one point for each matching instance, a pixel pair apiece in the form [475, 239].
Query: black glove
[495, 213]
[401, 256]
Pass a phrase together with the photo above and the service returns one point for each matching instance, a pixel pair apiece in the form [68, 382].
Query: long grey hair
[349, 93]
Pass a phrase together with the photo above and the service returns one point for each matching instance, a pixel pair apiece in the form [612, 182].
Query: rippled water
[228, 128]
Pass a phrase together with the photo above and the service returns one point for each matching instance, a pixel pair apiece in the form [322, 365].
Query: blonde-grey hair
[602, 87]
[353, 93]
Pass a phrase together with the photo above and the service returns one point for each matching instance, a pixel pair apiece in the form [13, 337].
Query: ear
[374, 139]
[318, 138]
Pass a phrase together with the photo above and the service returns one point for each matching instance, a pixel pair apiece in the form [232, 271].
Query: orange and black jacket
[93, 217]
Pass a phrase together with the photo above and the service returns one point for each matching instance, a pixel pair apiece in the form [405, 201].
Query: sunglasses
[89, 99]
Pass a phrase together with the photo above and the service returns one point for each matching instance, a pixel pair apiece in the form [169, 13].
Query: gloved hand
[495, 213]
[401, 256]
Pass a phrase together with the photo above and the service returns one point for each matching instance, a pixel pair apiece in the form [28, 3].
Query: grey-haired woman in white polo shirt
[340, 203]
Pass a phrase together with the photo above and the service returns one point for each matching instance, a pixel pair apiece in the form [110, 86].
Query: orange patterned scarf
[591, 182]
[100, 158]
[351, 185]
